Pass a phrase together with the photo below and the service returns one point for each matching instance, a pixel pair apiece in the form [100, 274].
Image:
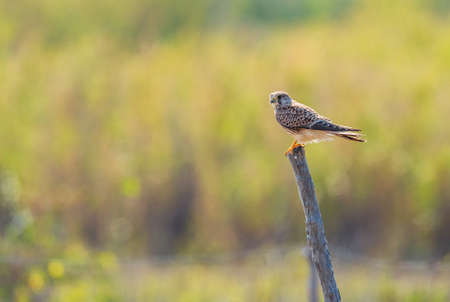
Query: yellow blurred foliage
[55, 269]
[108, 261]
[144, 128]
[36, 280]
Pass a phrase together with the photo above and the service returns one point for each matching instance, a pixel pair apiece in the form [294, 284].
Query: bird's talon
[294, 146]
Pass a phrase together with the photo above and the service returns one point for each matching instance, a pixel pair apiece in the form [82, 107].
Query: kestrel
[305, 124]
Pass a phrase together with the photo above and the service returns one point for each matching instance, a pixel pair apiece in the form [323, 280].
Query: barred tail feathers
[350, 136]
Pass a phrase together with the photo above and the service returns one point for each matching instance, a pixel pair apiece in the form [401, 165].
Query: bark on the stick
[315, 232]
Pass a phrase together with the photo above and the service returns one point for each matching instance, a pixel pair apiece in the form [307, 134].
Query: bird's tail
[351, 136]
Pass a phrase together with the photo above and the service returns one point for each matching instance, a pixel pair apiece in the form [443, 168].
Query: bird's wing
[300, 116]
[327, 125]
[297, 116]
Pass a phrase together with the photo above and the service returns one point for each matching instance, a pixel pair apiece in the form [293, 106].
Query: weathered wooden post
[315, 232]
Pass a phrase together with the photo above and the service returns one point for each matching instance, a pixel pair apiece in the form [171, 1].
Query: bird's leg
[293, 146]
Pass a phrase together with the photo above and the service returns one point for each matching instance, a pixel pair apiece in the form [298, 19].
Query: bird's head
[281, 98]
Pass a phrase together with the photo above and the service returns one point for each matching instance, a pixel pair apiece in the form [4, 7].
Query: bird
[305, 124]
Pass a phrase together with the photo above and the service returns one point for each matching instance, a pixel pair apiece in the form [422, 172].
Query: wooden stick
[315, 232]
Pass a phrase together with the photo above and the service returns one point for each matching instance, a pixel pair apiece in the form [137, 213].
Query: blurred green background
[140, 160]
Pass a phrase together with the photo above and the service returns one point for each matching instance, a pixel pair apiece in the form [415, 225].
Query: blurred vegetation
[144, 128]
[269, 275]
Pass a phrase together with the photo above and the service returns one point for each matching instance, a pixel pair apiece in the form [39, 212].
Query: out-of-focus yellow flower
[55, 269]
[36, 280]
[107, 260]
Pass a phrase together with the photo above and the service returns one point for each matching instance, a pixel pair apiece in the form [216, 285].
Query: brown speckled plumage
[305, 124]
